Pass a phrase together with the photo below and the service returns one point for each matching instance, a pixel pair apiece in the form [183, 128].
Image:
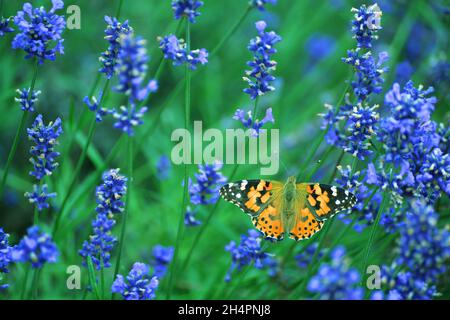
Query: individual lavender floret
[197, 56]
[368, 72]
[259, 4]
[361, 128]
[173, 49]
[319, 46]
[189, 218]
[40, 196]
[5, 257]
[43, 153]
[366, 24]
[101, 243]
[93, 105]
[162, 256]
[416, 146]
[40, 31]
[209, 180]
[186, 8]
[176, 50]
[4, 26]
[110, 193]
[259, 77]
[127, 118]
[304, 259]
[26, 100]
[255, 125]
[435, 171]
[109, 202]
[336, 281]
[423, 248]
[404, 72]
[138, 285]
[249, 251]
[113, 32]
[36, 247]
[410, 102]
[131, 67]
[163, 167]
[402, 286]
[5, 252]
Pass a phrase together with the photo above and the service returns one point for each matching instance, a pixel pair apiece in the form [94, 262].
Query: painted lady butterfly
[298, 208]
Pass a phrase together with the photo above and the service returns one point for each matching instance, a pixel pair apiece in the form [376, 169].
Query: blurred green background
[316, 34]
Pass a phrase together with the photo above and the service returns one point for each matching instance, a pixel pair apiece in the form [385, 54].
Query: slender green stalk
[203, 227]
[238, 282]
[321, 137]
[34, 284]
[179, 86]
[187, 116]
[102, 279]
[119, 9]
[12, 151]
[231, 31]
[333, 175]
[242, 275]
[127, 205]
[373, 232]
[36, 216]
[75, 176]
[318, 164]
[322, 235]
[255, 107]
[79, 165]
[188, 78]
[25, 282]
[92, 280]
[92, 91]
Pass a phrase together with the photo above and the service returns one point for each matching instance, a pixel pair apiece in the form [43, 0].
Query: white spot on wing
[334, 189]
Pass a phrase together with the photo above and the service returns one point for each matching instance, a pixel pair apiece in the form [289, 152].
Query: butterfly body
[298, 209]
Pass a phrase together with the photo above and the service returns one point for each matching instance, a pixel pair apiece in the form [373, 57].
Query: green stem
[188, 79]
[203, 227]
[321, 137]
[127, 205]
[12, 151]
[318, 164]
[119, 9]
[36, 216]
[92, 279]
[187, 116]
[25, 282]
[255, 107]
[92, 91]
[373, 232]
[75, 176]
[34, 284]
[231, 31]
[323, 235]
[333, 175]
[102, 279]
[179, 86]
[80, 163]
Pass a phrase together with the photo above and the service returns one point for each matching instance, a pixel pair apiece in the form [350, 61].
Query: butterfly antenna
[284, 167]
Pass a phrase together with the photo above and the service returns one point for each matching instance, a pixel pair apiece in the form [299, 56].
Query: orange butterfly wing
[318, 202]
[260, 199]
